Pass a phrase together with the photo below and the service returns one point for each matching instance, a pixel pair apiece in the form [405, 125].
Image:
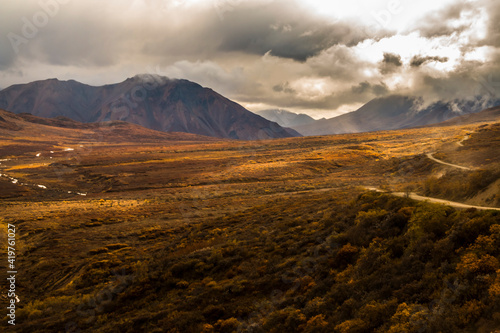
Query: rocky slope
[151, 101]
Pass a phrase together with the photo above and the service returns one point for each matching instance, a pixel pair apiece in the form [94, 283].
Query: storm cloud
[390, 63]
[366, 87]
[418, 61]
[447, 21]
[321, 58]
[291, 34]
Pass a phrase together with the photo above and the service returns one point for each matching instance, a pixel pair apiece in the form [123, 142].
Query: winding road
[417, 197]
[429, 155]
[460, 143]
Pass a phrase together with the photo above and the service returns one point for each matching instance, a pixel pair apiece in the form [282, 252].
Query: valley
[223, 166]
[185, 227]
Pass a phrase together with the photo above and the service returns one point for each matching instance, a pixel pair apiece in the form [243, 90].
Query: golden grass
[27, 166]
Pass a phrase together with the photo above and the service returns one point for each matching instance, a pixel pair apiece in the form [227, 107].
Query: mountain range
[394, 112]
[172, 105]
[152, 101]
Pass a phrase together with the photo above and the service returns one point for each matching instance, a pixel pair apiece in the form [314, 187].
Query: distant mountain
[286, 118]
[488, 115]
[393, 112]
[151, 101]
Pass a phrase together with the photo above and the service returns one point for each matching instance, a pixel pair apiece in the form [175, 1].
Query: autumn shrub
[430, 219]
[346, 255]
[460, 185]
[339, 263]
[184, 269]
[227, 325]
[356, 325]
[286, 320]
[316, 324]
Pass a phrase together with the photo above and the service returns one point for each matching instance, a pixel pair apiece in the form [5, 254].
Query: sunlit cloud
[305, 55]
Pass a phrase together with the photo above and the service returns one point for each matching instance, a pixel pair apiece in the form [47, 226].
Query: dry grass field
[123, 230]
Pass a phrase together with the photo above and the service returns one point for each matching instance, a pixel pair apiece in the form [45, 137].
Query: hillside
[122, 228]
[393, 112]
[25, 134]
[18, 127]
[151, 101]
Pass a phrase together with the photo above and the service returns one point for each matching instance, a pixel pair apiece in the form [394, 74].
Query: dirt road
[417, 197]
[429, 155]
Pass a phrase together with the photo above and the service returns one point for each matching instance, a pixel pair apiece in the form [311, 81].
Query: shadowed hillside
[151, 101]
[122, 228]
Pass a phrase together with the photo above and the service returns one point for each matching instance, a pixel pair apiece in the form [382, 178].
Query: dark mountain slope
[151, 101]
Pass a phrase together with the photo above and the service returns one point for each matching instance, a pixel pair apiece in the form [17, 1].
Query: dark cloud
[446, 21]
[269, 52]
[418, 60]
[392, 59]
[493, 25]
[103, 38]
[390, 63]
[284, 87]
[466, 81]
[68, 36]
[368, 88]
[7, 56]
[291, 34]
[360, 93]
[12, 40]
[339, 62]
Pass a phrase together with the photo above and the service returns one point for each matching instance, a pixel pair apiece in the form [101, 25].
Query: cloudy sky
[312, 56]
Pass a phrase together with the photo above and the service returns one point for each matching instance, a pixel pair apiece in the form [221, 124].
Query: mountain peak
[285, 118]
[395, 112]
[149, 100]
[149, 77]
